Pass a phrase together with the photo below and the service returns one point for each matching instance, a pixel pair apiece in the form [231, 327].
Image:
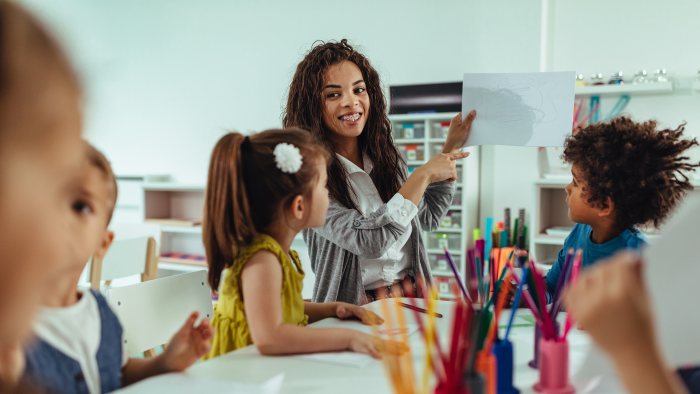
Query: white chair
[126, 257]
[152, 312]
[137, 230]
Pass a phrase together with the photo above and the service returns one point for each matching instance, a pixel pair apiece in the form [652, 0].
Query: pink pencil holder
[554, 368]
[535, 362]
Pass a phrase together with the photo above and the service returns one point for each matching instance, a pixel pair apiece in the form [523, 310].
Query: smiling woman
[371, 241]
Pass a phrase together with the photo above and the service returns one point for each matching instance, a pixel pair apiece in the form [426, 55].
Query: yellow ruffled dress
[229, 319]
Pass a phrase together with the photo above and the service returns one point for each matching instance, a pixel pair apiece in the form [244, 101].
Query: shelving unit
[168, 200]
[551, 210]
[428, 134]
[630, 89]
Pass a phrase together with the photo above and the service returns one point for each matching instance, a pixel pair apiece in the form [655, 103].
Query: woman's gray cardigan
[335, 249]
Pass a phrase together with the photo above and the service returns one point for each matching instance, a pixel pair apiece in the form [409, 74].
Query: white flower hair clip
[288, 158]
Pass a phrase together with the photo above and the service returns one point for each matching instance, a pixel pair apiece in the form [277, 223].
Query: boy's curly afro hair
[635, 165]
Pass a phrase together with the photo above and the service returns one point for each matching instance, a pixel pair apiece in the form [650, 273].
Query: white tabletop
[248, 366]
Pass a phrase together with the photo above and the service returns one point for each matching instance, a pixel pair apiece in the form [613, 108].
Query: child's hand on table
[345, 311]
[189, 344]
[375, 347]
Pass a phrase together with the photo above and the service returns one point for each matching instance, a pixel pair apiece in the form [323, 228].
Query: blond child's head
[95, 199]
[250, 190]
[40, 155]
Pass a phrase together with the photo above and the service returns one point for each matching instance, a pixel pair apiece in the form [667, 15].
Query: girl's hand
[375, 347]
[188, 345]
[441, 167]
[610, 301]
[459, 131]
[345, 311]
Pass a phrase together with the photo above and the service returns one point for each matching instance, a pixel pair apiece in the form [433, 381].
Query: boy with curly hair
[624, 174]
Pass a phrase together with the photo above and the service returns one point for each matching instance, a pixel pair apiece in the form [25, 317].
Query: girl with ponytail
[262, 191]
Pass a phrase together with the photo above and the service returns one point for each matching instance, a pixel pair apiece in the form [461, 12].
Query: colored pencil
[516, 302]
[574, 277]
[455, 271]
[557, 302]
[546, 319]
[418, 309]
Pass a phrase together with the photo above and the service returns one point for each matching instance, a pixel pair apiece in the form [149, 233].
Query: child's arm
[611, 302]
[186, 347]
[343, 310]
[12, 363]
[261, 281]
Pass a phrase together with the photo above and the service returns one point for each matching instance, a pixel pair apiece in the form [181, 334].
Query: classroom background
[165, 79]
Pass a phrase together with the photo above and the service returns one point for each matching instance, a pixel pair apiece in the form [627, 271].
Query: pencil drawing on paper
[516, 109]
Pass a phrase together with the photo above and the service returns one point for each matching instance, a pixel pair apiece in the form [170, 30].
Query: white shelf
[696, 86]
[556, 182]
[609, 90]
[447, 296]
[564, 182]
[443, 274]
[172, 186]
[415, 162]
[437, 140]
[406, 141]
[544, 239]
[181, 229]
[442, 252]
[426, 116]
[448, 230]
[456, 208]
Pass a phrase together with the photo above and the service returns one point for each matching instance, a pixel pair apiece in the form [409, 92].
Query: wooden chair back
[126, 257]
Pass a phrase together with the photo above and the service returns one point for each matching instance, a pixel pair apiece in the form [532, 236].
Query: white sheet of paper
[596, 374]
[671, 272]
[176, 383]
[527, 109]
[348, 359]
[359, 326]
[351, 359]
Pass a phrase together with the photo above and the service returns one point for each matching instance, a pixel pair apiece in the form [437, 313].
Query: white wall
[166, 78]
[630, 35]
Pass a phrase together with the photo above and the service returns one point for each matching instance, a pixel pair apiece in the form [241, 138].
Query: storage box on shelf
[419, 137]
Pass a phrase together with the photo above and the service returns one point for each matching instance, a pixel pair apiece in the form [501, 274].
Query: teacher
[372, 242]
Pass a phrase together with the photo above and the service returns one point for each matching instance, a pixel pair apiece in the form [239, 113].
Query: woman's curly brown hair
[305, 110]
[635, 165]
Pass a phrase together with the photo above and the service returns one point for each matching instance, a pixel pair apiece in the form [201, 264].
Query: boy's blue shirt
[580, 237]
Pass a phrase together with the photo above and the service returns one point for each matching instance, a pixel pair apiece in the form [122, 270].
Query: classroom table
[246, 365]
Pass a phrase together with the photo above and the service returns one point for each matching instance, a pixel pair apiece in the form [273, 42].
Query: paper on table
[175, 383]
[348, 359]
[671, 273]
[531, 109]
[351, 359]
[359, 326]
[596, 374]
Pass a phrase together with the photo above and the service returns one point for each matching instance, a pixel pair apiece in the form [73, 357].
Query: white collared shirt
[393, 265]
